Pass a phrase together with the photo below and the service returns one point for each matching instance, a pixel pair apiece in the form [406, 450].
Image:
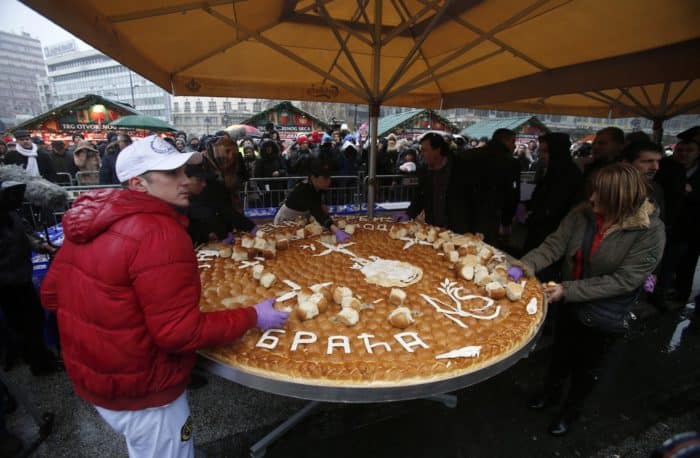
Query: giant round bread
[399, 304]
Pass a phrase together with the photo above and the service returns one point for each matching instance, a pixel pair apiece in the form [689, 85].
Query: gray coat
[628, 253]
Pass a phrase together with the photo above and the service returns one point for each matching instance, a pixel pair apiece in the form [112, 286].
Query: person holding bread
[125, 286]
[608, 247]
[305, 200]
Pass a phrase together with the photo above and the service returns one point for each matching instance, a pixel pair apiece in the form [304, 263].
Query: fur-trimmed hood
[639, 220]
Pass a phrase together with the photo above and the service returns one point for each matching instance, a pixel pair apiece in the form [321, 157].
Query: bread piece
[350, 229]
[341, 224]
[397, 296]
[481, 275]
[447, 247]
[453, 256]
[352, 302]
[324, 290]
[301, 233]
[348, 316]
[225, 252]
[485, 254]
[247, 242]
[500, 274]
[401, 318]
[328, 239]
[339, 292]
[422, 235]
[495, 290]
[258, 271]
[469, 260]
[239, 253]
[397, 232]
[432, 235]
[267, 279]
[438, 244]
[445, 235]
[260, 243]
[514, 291]
[306, 310]
[282, 243]
[467, 272]
[313, 229]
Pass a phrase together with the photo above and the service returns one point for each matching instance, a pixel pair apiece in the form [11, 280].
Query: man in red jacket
[126, 290]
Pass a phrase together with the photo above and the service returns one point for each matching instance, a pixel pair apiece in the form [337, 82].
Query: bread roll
[495, 290]
[348, 316]
[514, 291]
[267, 279]
[467, 272]
[339, 292]
[397, 296]
[401, 318]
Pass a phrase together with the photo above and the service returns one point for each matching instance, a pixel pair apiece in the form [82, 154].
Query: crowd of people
[602, 228]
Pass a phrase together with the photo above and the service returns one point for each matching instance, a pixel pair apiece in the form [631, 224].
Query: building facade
[22, 68]
[74, 73]
[206, 115]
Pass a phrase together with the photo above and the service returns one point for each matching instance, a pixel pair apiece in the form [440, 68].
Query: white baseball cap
[150, 153]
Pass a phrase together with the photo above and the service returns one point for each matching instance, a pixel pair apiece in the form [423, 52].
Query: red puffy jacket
[126, 290]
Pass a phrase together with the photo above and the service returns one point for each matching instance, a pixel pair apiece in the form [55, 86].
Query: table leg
[448, 400]
[259, 449]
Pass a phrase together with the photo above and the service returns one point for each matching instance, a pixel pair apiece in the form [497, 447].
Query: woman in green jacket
[608, 247]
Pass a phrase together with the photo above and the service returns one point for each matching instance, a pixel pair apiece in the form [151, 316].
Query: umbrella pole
[658, 130]
[372, 176]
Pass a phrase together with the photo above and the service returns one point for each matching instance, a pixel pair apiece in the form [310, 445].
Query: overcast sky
[17, 18]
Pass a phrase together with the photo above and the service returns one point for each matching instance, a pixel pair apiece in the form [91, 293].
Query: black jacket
[43, 160]
[211, 211]
[455, 208]
[554, 196]
[15, 249]
[492, 179]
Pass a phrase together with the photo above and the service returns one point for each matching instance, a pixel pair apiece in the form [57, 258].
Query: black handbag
[610, 314]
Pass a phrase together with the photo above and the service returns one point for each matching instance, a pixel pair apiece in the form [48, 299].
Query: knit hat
[302, 139]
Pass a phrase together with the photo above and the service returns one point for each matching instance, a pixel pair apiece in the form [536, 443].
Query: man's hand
[401, 217]
[268, 316]
[341, 236]
[650, 283]
[515, 272]
[275, 173]
[554, 293]
[45, 248]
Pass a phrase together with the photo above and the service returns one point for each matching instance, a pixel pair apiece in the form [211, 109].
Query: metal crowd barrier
[271, 192]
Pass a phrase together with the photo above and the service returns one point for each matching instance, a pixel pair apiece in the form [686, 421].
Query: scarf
[31, 154]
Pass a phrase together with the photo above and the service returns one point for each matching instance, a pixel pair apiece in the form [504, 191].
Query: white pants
[158, 432]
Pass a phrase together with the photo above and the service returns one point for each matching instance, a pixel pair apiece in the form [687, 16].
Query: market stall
[413, 123]
[287, 119]
[90, 115]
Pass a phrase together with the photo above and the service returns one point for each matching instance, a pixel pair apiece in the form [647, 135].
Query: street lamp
[131, 85]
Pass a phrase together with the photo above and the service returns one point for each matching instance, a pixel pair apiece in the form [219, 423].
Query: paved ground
[653, 395]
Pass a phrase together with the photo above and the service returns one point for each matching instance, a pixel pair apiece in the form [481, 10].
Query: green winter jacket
[628, 253]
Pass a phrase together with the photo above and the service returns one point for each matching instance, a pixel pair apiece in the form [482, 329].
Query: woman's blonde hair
[621, 190]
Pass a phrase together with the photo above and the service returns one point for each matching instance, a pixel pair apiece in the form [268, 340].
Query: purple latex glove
[268, 316]
[230, 238]
[341, 236]
[254, 230]
[401, 217]
[515, 272]
[650, 283]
